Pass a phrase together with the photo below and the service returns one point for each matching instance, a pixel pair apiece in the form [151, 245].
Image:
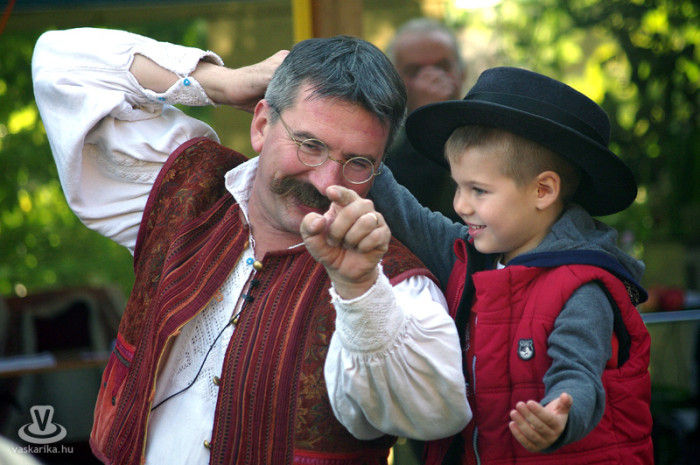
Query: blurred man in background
[427, 56]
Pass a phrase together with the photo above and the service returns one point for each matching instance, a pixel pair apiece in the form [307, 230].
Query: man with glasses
[242, 341]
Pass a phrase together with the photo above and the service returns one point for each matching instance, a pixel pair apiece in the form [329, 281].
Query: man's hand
[537, 427]
[349, 240]
[240, 88]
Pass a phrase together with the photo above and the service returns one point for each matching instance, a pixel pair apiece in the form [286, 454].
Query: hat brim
[608, 187]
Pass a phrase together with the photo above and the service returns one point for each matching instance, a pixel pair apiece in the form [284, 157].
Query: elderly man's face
[429, 66]
[285, 189]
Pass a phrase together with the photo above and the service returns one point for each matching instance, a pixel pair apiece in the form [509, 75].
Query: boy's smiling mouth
[475, 228]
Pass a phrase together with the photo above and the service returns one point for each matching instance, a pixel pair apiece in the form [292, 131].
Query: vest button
[257, 265]
[216, 380]
[207, 444]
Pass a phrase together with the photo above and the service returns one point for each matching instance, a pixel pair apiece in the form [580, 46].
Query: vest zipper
[474, 445]
[476, 427]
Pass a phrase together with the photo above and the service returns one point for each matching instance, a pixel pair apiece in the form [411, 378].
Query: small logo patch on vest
[526, 349]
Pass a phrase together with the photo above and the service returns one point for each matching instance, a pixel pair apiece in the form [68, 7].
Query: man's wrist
[213, 78]
[349, 290]
[370, 321]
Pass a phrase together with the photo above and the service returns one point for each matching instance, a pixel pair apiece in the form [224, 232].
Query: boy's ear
[548, 185]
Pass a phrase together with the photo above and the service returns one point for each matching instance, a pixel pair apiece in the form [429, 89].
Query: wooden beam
[333, 17]
[302, 17]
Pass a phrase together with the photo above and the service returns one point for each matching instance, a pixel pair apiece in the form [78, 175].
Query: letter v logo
[43, 416]
[42, 429]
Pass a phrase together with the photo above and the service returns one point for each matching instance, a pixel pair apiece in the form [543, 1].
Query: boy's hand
[349, 240]
[537, 427]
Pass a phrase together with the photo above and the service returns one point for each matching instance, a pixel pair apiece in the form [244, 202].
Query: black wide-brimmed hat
[540, 109]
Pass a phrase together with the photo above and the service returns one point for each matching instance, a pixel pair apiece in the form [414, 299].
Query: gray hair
[344, 68]
[425, 25]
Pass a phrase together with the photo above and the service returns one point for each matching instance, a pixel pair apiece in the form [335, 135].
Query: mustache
[301, 192]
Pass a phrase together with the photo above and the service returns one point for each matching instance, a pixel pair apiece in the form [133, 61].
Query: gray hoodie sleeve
[579, 346]
[430, 235]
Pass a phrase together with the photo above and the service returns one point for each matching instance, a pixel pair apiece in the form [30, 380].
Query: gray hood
[575, 235]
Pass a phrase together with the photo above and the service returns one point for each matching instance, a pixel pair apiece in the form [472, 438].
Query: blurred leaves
[638, 59]
[43, 245]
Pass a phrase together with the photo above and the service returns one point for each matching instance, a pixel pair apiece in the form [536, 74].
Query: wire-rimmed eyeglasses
[314, 152]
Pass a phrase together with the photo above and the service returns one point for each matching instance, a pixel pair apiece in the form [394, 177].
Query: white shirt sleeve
[109, 135]
[394, 364]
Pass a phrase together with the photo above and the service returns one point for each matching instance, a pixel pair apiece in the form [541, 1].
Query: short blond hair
[524, 159]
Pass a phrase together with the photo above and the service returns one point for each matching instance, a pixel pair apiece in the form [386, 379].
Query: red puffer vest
[272, 404]
[514, 310]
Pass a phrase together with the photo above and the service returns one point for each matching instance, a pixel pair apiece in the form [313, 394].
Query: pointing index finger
[341, 195]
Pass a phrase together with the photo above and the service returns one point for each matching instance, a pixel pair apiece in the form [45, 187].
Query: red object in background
[6, 15]
[667, 299]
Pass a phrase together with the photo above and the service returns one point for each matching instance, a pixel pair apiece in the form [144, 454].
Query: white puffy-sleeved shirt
[394, 362]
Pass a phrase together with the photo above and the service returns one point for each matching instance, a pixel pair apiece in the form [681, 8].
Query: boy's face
[502, 217]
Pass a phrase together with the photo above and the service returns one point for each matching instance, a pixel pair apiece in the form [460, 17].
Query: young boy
[555, 353]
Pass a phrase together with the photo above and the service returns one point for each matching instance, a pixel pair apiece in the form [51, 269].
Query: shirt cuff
[370, 322]
[186, 91]
[181, 61]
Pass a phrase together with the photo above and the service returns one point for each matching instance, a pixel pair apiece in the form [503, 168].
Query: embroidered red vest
[272, 406]
[520, 303]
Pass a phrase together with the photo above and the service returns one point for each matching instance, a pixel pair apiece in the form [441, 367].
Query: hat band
[540, 109]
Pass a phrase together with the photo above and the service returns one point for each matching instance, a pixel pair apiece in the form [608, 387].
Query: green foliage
[640, 60]
[44, 245]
